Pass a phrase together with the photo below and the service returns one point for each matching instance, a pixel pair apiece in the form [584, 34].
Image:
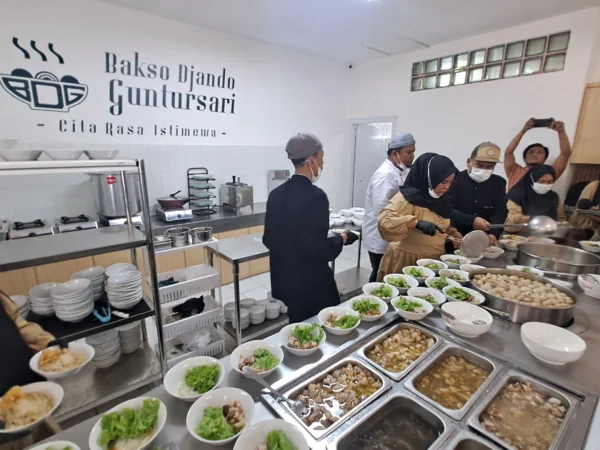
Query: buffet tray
[465, 440]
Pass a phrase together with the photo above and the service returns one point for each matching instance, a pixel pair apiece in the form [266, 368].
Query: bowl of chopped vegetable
[302, 339]
[493, 252]
[371, 308]
[473, 260]
[132, 425]
[418, 273]
[400, 281]
[470, 267]
[261, 357]
[192, 378]
[463, 294]
[273, 434]
[339, 320]
[383, 291]
[57, 445]
[459, 276]
[432, 264]
[430, 295]
[412, 308]
[440, 282]
[526, 269]
[454, 261]
[219, 417]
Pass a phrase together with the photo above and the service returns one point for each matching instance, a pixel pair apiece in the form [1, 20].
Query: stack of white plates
[40, 300]
[131, 337]
[115, 269]
[107, 347]
[229, 311]
[273, 310]
[257, 314]
[22, 302]
[263, 302]
[244, 319]
[124, 289]
[283, 309]
[96, 276]
[72, 301]
[247, 302]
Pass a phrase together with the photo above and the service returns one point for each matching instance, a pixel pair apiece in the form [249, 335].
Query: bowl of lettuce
[265, 357]
[57, 445]
[371, 308]
[432, 264]
[302, 339]
[419, 273]
[206, 417]
[339, 320]
[383, 291]
[411, 308]
[400, 281]
[192, 378]
[440, 282]
[132, 425]
[275, 434]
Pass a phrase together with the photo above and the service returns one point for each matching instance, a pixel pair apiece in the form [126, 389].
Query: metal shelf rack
[200, 191]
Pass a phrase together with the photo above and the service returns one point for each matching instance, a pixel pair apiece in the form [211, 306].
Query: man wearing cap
[384, 184]
[296, 229]
[477, 195]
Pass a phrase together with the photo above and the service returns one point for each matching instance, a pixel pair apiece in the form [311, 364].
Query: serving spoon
[297, 406]
[452, 317]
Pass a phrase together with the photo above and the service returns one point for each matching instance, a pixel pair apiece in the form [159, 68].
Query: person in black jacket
[478, 196]
[296, 229]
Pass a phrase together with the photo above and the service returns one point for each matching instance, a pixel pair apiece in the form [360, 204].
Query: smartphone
[543, 123]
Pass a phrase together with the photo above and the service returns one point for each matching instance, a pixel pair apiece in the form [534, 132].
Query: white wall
[452, 121]
[594, 70]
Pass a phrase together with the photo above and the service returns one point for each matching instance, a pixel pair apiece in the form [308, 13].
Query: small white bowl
[426, 262]
[111, 271]
[537, 272]
[134, 403]
[247, 349]
[87, 351]
[339, 311]
[338, 222]
[42, 291]
[369, 287]
[493, 252]
[412, 282]
[451, 265]
[20, 155]
[91, 273]
[412, 315]
[428, 273]
[176, 376]
[101, 154]
[464, 275]
[552, 344]
[64, 155]
[470, 267]
[465, 313]
[71, 288]
[357, 210]
[591, 289]
[383, 307]
[57, 445]
[450, 282]
[288, 330]
[346, 212]
[473, 260]
[509, 244]
[590, 246]
[357, 222]
[479, 298]
[54, 391]
[217, 399]
[256, 434]
[437, 295]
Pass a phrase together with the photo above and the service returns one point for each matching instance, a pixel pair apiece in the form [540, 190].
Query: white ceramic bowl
[464, 275]
[426, 262]
[479, 298]
[42, 291]
[256, 434]
[133, 404]
[383, 307]
[450, 282]
[473, 260]
[131, 277]
[111, 271]
[493, 252]
[369, 287]
[217, 399]
[87, 351]
[437, 295]
[338, 222]
[590, 246]
[509, 244]
[71, 289]
[537, 272]
[64, 155]
[357, 222]
[19, 300]
[176, 376]
[470, 267]
[591, 289]
[339, 311]
[412, 282]
[428, 273]
[247, 349]
[91, 273]
[461, 260]
[101, 154]
[20, 155]
[465, 313]
[288, 330]
[54, 391]
[552, 344]
[357, 210]
[57, 445]
[412, 315]
[346, 212]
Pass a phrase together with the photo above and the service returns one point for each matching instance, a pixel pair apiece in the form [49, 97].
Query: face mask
[404, 166]
[480, 175]
[432, 193]
[542, 188]
[316, 177]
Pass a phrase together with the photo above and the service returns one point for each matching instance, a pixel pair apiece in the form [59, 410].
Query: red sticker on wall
[111, 179]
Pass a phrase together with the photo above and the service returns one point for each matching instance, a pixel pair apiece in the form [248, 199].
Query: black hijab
[532, 203]
[429, 170]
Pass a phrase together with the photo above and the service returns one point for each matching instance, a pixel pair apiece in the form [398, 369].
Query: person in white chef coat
[384, 184]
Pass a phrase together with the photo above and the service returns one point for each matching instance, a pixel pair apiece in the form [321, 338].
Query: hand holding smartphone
[543, 123]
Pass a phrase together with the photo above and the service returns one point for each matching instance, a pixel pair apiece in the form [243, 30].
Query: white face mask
[542, 189]
[433, 194]
[316, 177]
[480, 175]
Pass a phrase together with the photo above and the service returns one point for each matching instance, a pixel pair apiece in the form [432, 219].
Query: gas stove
[77, 223]
[34, 228]
[173, 215]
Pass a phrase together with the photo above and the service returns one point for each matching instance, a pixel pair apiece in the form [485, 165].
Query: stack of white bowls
[124, 289]
[96, 276]
[273, 310]
[247, 302]
[130, 336]
[257, 314]
[283, 309]
[107, 347]
[347, 215]
[22, 302]
[229, 311]
[40, 300]
[244, 319]
[72, 301]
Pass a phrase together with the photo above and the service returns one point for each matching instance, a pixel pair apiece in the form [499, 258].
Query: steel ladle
[297, 406]
[536, 225]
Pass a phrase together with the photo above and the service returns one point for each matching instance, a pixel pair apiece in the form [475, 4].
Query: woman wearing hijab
[415, 219]
[533, 196]
[589, 199]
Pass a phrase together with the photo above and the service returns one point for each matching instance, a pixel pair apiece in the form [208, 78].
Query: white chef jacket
[384, 184]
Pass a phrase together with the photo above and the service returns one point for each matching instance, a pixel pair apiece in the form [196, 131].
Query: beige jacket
[582, 221]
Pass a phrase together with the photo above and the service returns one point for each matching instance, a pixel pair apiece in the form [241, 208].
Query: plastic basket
[210, 315]
[192, 280]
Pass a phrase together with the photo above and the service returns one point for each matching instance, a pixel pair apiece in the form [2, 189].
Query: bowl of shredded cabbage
[273, 434]
[192, 378]
[302, 339]
[259, 356]
[371, 308]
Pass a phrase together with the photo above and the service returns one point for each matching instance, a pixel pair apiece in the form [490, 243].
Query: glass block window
[515, 59]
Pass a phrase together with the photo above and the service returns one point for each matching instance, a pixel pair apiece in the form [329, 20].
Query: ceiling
[343, 30]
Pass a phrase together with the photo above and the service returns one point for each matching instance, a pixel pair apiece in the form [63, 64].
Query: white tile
[344, 264]
[248, 284]
[264, 279]
[258, 293]
[225, 291]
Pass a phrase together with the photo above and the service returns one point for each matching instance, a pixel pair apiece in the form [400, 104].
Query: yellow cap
[486, 152]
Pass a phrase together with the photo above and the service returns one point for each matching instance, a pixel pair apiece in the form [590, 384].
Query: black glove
[584, 204]
[351, 237]
[428, 228]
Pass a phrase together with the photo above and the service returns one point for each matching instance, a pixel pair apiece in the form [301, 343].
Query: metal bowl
[557, 258]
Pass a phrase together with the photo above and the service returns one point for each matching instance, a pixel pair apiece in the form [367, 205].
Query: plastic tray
[210, 315]
[192, 281]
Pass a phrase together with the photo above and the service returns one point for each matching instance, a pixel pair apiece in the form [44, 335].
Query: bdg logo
[44, 91]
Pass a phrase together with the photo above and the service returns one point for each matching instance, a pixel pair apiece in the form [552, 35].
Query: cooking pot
[557, 259]
[172, 201]
[201, 234]
[109, 197]
[179, 236]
